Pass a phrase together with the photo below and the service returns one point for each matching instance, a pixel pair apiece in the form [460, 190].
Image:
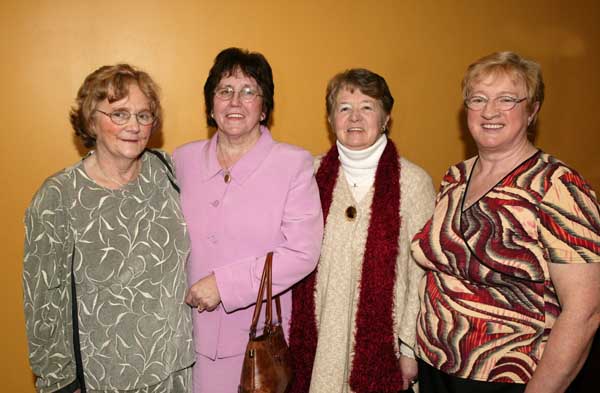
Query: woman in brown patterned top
[108, 232]
[511, 299]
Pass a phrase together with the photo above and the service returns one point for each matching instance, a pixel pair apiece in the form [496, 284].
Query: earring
[262, 116]
[212, 114]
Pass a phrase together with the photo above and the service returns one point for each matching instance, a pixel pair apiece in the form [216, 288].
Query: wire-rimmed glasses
[121, 117]
[503, 103]
[246, 94]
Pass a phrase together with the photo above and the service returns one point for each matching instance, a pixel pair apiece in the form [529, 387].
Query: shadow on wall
[330, 133]
[470, 149]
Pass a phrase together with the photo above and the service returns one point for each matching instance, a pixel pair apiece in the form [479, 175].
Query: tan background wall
[420, 47]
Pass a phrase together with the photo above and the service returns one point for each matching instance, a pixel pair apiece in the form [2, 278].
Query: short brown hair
[251, 64]
[512, 65]
[111, 82]
[368, 82]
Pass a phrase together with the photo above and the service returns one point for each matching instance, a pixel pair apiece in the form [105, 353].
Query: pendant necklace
[110, 178]
[224, 161]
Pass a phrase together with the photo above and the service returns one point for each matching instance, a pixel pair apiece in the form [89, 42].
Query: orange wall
[420, 47]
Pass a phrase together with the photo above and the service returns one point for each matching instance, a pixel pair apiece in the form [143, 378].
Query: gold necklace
[224, 161]
[106, 176]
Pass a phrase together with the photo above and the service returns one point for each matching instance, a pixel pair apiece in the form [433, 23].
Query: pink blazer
[271, 204]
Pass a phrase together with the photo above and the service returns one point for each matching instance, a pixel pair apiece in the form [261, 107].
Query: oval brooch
[351, 213]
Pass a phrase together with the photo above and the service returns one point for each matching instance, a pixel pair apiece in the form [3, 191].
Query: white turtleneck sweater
[359, 166]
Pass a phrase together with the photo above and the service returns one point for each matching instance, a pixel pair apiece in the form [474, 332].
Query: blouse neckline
[132, 183]
[468, 182]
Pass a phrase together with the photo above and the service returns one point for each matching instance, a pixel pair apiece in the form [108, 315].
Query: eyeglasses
[503, 103]
[121, 117]
[246, 94]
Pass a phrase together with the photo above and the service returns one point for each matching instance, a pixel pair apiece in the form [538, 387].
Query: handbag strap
[170, 174]
[76, 343]
[266, 281]
[277, 302]
[79, 374]
[269, 284]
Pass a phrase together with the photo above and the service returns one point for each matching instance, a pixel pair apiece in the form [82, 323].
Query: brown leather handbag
[267, 364]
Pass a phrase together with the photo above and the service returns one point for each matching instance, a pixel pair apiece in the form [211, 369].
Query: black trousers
[432, 380]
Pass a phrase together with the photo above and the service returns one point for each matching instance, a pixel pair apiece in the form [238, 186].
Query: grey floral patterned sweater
[128, 248]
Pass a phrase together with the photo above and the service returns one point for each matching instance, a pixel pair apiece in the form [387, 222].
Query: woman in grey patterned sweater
[109, 232]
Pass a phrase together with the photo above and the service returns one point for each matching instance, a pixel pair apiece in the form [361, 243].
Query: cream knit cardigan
[338, 277]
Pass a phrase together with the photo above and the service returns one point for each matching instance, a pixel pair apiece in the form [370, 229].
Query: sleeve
[46, 295]
[420, 198]
[569, 221]
[453, 177]
[294, 258]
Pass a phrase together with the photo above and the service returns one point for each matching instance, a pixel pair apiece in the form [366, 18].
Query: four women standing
[509, 253]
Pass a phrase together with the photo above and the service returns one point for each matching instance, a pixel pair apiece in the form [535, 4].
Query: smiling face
[122, 142]
[357, 119]
[236, 117]
[494, 129]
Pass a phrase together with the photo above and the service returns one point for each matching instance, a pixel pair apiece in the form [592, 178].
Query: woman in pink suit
[243, 195]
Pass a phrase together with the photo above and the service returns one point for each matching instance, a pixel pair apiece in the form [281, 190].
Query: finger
[189, 299]
[405, 384]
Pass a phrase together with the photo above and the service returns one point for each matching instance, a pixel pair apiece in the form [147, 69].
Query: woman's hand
[409, 369]
[204, 294]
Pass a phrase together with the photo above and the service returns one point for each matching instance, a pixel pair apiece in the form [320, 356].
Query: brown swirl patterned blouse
[487, 302]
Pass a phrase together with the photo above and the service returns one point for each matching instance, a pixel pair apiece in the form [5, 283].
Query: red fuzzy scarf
[375, 367]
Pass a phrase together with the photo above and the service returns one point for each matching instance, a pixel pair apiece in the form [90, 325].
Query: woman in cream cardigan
[353, 319]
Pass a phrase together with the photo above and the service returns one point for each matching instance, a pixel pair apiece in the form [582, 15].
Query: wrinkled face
[125, 141]
[237, 117]
[357, 119]
[494, 129]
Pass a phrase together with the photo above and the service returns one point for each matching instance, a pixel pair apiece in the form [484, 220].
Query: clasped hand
[204, 294]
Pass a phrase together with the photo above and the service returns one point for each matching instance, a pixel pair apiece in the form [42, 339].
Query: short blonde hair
[512, 65]
[111, 82]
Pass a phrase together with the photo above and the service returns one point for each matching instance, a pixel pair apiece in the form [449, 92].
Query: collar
[245, 166]
[359, 166]
[362, 159]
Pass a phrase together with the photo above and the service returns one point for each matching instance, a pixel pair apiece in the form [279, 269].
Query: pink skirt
[217, 376]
